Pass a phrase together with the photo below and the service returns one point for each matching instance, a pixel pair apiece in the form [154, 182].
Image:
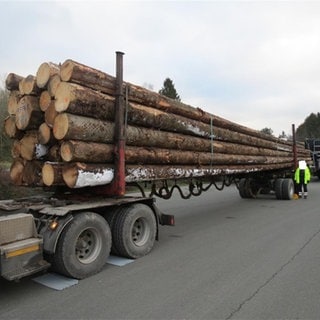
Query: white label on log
[90, 179]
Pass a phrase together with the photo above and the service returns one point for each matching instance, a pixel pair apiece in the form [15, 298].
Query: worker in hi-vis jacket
[302, 177]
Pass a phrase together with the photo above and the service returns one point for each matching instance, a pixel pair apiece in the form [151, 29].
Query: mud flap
[22, 258]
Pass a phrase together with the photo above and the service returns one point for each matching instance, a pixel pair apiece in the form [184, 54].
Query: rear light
[167, 220]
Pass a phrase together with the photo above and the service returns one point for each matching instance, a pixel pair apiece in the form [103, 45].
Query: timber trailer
[74, 231]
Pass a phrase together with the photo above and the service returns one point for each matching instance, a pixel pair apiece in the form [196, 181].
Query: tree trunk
[80, 100]
[54, 154]
[31, 148]
[79, 151]
[52, 174]
[136, 173]
[28, 114]
[45, 100]
[28, 85]
[53, 84]
[11, 129]
[45, 71]
[79, 175]
[73, 127]
[50, 114]
[16, 149]
[16, 171]
[13, 101]
[45, 135]
[12, 81]
[78, 73]
[32, 173]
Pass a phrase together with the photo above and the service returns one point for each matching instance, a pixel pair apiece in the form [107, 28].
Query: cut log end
[63, 96]
[45, 71]
[60, 126]
[48, 174]
[66, 70]
[16, 171]
[53, 84]
[45, 100]
[44, 133]
[70, 176]
[66, 151]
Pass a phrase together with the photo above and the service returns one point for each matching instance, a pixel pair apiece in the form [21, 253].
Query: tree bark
[80, 100]
[76, 72]
[79, 151]
[72, 127]
[79, 175]
[12, 81]
[95, 79]
[32, 173]
[159, 172]
[45, 71]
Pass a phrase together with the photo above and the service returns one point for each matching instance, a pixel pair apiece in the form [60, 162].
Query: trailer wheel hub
[88, 246]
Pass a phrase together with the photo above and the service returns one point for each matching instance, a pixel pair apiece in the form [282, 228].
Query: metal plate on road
[55, 281]
[118, 261]
[59, 282]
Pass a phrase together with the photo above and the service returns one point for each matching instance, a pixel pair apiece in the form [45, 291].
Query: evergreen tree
[310, 128]
[169, 90]
[268, 131]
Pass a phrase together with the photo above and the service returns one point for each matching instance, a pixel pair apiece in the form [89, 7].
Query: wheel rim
[140, 232]
[88, 246]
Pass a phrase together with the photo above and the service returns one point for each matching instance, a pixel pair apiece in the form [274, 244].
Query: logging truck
[94, 136]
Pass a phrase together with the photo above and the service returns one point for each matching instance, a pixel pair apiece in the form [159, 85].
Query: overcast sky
[256, 63]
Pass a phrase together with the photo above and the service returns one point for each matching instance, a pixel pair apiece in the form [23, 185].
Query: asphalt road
[226, 258]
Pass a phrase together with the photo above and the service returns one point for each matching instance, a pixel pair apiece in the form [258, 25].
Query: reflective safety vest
[307, 175]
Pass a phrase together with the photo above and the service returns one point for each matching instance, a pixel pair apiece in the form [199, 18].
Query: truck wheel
[248, 188]
[134, 231]
[110, 216]
[84, 246]
[287, 189]
[278, 188]
[243, 188]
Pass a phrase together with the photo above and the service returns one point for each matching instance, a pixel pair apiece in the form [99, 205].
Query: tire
[287, 189]
[278, 189]
[84, 246]
[243, 188]
[110, 216]
[248, 188]
[134, 231]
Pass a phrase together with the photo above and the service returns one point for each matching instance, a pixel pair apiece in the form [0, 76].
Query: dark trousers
[302, 187]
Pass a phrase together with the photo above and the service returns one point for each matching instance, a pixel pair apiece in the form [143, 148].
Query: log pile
[62, 124]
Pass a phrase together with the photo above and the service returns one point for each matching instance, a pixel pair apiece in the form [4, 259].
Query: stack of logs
[61, 121]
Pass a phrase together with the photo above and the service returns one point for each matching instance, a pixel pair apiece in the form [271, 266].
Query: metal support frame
[294, 147]
[117, 187]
